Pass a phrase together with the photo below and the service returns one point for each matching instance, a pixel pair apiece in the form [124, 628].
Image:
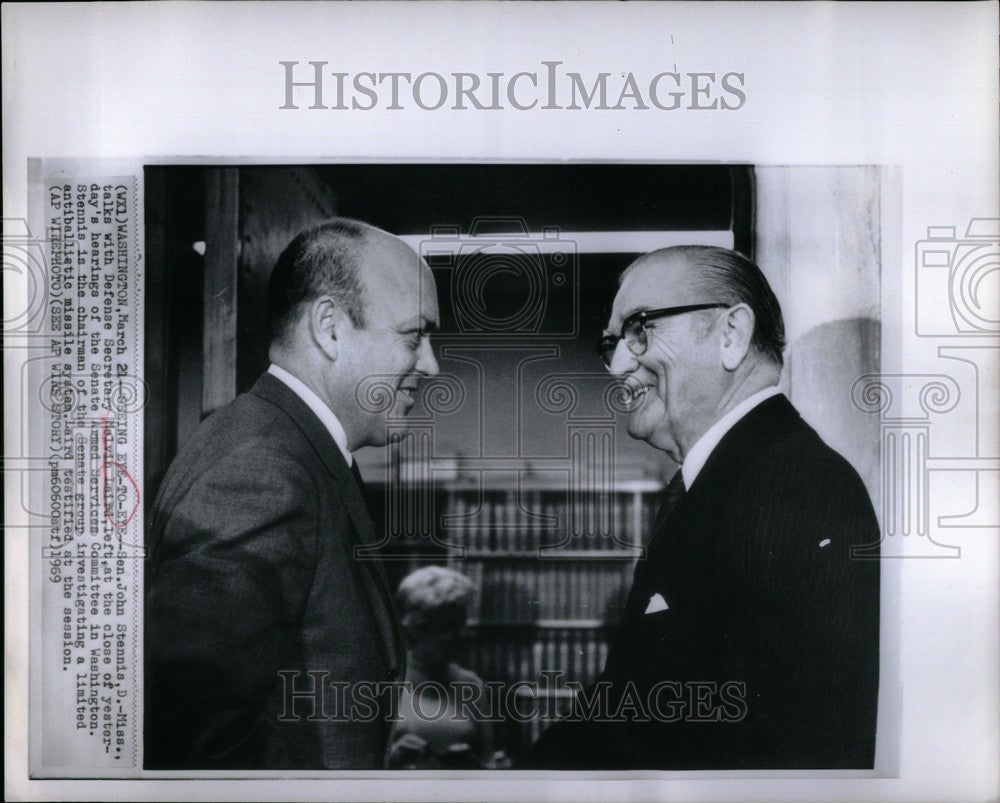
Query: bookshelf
[551, 565]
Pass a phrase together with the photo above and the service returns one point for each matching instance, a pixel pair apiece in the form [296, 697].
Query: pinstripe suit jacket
[253, 573]
[766, 655]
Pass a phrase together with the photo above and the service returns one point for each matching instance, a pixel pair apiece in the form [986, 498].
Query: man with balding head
[750, 636]
[263, 616]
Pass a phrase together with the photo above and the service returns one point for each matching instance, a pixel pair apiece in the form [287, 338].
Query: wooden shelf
[504, 485]
[543, 624]
[554, 555]
[535, 693]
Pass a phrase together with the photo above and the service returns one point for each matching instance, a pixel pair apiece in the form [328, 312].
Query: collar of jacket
[771, 416]
[276, 392]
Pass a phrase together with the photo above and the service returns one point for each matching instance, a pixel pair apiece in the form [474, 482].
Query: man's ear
[326, 321]
[737, 332]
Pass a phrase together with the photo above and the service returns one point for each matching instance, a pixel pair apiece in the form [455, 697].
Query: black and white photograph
[501, 401]
[418, 494]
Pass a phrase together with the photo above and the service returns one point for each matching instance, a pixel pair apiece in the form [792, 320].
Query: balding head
[351, 308]
[320, 261]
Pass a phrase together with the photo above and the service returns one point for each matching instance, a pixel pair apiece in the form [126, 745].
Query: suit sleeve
[230, 579]
[807, 645]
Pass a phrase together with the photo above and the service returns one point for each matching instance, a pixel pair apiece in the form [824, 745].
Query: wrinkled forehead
[653, 283]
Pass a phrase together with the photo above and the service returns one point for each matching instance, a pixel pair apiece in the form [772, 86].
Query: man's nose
[623, 361]
[427, 363]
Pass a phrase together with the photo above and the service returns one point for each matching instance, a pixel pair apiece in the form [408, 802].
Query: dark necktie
[675, 490]
[641, 582]
[358, 478]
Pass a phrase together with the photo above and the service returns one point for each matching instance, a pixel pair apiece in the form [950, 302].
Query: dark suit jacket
[253, 572]
[755, 566]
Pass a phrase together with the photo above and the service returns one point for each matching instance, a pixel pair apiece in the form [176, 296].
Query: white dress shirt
[705, 445]
[316, 404]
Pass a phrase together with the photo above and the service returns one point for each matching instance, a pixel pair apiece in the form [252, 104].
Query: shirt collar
[316, 404]
[705, 445]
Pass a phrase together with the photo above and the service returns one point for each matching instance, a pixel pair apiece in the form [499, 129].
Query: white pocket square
[657, 603]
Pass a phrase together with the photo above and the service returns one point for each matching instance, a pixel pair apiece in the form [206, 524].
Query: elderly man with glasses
[750, 636]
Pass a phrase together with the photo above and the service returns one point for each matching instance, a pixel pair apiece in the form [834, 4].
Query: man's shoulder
[247, 436]
[779, 499]
[775, 433]
[251, 421]
[775, 454]
[803, 452]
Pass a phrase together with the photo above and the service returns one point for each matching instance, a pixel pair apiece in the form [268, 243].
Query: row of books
[550, 570]
[498, 522]
[532, 591]
[512, 656]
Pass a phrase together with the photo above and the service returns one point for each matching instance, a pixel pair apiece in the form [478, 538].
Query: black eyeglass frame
[606, 346]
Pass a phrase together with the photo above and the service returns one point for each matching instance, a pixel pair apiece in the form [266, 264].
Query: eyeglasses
[634, 329]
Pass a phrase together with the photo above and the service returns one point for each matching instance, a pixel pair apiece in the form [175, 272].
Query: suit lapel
[669, 547]
[366, 555]
[376, 588]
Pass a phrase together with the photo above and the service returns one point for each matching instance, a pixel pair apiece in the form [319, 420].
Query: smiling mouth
[635, 394]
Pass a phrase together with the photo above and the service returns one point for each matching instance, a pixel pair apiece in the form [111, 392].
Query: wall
[818, 243]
